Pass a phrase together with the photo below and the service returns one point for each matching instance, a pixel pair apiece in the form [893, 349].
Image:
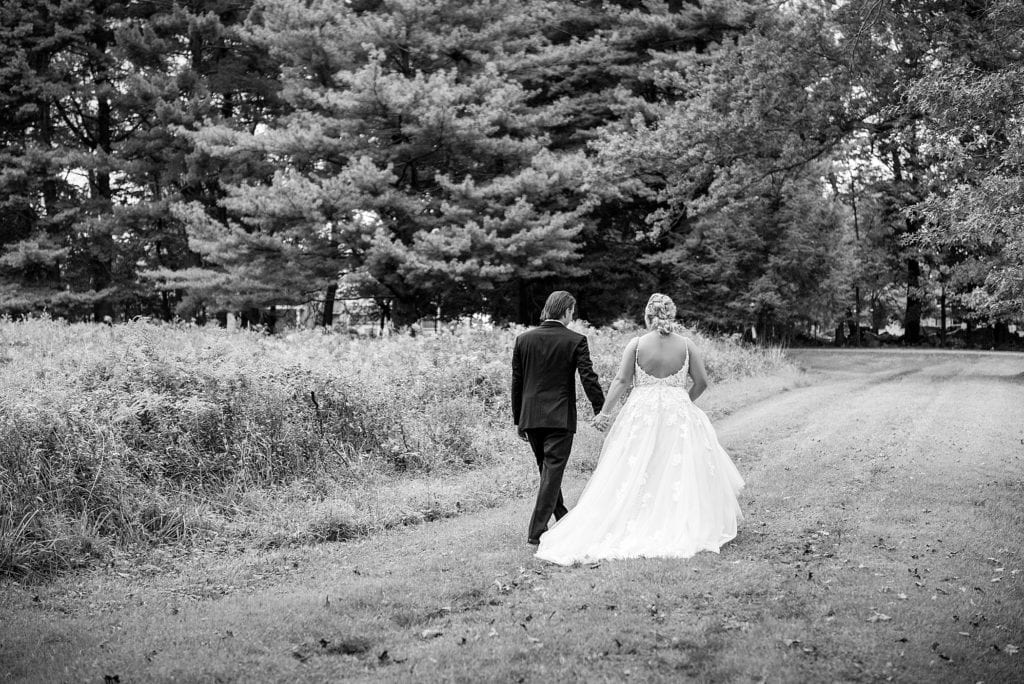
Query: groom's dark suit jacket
[544, 364]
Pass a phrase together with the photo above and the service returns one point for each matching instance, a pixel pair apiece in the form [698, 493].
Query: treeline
[765, 163]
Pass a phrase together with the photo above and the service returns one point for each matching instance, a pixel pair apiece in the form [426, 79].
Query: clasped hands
[601, 422]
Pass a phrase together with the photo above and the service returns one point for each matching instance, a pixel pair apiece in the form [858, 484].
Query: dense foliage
[768, 164]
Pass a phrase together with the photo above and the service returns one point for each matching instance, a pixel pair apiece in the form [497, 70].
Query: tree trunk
[328, 317]
[856, 317]
[912, 321]
[942, 315]
[856, 289]
[912, 316]
[102, 268]
[165, 306]
[46, 140]
[525, 315]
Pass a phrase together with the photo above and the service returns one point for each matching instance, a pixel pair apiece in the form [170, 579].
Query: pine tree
[38, 205]
[408, 162]
[97, 93]
[194, 67]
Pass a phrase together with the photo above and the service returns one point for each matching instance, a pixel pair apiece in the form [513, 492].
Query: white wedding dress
[663, 487]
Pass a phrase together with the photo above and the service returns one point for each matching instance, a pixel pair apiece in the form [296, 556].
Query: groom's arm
[588, 378]
[517, 382]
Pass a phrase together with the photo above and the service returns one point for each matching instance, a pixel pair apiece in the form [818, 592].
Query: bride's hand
[601, 422]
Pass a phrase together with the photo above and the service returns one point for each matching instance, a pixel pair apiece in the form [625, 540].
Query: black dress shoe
[533, 542]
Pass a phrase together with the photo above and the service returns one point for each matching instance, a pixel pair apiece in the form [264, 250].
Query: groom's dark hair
[558, 303]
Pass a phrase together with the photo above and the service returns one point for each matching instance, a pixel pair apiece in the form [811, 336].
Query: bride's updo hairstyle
[660, 313]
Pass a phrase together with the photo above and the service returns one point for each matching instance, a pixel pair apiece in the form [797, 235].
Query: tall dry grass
[145, 433]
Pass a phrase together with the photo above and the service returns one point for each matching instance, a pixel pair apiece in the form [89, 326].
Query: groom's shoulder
[548, 332]
[526, 335]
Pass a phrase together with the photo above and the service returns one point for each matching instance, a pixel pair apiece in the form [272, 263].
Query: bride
[663, 487]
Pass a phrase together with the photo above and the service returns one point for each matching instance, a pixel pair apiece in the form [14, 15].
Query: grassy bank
[141, 434]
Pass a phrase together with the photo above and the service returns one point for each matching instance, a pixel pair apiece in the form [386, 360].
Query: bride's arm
[622, 382]
[697, 371]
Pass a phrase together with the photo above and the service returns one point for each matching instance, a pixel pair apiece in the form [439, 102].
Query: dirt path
[882, 541]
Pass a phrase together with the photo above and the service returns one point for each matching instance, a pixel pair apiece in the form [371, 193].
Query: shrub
[146, 433]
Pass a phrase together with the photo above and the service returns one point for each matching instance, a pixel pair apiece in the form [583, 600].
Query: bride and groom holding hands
[663, 486]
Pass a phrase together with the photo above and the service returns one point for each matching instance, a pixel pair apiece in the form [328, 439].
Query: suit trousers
[551, 446]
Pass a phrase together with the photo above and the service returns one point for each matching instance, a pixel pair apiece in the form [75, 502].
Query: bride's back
[661, 355]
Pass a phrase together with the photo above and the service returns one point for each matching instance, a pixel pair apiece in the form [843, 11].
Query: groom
[544, 364]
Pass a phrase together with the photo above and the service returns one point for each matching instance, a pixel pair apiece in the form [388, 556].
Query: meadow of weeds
[142, 433]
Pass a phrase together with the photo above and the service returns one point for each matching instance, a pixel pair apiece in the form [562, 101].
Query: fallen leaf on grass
[430, 633]
[879, 617]
[935, 647]
[1010, 648]
[901, 596]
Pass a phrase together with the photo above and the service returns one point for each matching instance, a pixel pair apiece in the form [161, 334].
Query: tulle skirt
[663, 487]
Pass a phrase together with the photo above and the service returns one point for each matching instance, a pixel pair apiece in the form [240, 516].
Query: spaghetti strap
[642, 377]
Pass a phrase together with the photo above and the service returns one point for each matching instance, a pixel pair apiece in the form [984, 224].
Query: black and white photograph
[512, 341]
